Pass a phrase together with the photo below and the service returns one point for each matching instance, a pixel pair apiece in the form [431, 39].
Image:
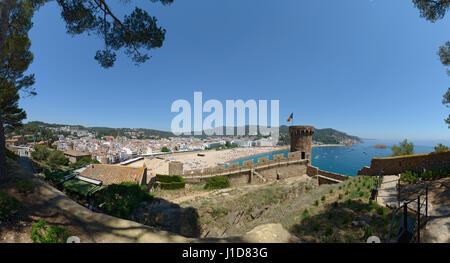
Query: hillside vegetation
[325, 136]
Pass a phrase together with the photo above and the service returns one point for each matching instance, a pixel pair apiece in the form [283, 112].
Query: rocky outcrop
[269, 233]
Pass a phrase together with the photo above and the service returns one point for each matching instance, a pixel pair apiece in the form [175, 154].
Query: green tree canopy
[135, 34]
[433, 10]
[57, 158]
[440, 148]
[41, 152]
[404, 148]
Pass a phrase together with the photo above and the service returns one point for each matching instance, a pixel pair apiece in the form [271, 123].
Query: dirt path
[387, 194]
[437, 229]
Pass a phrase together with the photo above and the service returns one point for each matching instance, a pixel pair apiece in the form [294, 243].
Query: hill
[325, 136]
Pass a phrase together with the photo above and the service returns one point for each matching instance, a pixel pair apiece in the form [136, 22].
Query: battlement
[301, 130]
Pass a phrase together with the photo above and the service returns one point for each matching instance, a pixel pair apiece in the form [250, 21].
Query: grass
[332, 221]
[43, 233]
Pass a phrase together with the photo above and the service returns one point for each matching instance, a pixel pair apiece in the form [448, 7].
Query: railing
[406, 224]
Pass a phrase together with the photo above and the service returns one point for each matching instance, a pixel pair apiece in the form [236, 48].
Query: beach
[211, 158]
[191, 160]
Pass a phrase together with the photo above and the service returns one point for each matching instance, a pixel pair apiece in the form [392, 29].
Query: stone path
[437, 229]
[387, 193]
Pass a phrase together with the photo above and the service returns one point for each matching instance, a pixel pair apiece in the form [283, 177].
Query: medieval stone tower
[301, 140]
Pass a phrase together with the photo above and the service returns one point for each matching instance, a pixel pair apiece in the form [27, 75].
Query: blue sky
[368, 68]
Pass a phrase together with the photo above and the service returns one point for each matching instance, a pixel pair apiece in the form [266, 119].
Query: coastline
[211, 158]
[329, 145]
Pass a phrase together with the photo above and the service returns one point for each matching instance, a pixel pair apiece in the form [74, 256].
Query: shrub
[316, 226]
[48, 234]
[305, 213]
[316, 203]
[83, 162]
[323, 198]
[122, 199]
[164, 149]
[169, 182]
[7, 204]
[329, 230]
[308, 188]
[380, 211]
[169, 178]
[409, 177]
[41, 152]
[340, 196]
[217, 182]
[345, 220]
[24, 186]
[367, 232]
[56, 158]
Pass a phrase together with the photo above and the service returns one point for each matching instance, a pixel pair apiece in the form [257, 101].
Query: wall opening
[303, 155]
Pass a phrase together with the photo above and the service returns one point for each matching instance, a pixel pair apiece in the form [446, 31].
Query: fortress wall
[312, 171]
[325, 176]
[336, 176]
[287, 167]
[285, 171]
[415, 162]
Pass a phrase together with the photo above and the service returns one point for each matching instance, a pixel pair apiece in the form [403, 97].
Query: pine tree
[135, 33]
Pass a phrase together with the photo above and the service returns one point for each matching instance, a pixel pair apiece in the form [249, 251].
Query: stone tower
[301, 140]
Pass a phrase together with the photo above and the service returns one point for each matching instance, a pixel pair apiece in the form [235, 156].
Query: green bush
[57, 158]
[40, 153]
[169, 182]
[7, 204]
[82, 162]
[409, 177]
[368, 232]
[170, 186]
[305, 213]
[24, 186]
[48, 234]
[217, 182]
[427, 175]
[122, 199]
[164, 149]
[380, 211]
[169, 178]
[329, 230]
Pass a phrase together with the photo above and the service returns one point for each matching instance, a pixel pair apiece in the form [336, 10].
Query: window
[303, 155]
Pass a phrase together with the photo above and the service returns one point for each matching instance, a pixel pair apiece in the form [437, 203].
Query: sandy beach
[212, 158]
[192, 161]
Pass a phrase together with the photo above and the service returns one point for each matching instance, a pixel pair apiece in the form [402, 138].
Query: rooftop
[113, 174]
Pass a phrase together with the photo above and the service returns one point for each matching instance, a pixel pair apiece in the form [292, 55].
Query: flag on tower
[290, 117]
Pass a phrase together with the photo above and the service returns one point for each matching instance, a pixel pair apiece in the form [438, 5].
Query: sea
[349, 159]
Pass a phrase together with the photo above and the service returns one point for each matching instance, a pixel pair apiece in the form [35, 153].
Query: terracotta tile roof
[113, 174]
[75, 153]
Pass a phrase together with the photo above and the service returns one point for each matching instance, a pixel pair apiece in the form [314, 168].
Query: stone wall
[325, 177]
[415, 162]
[279, 167]
[175, 168]
[271, 170]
